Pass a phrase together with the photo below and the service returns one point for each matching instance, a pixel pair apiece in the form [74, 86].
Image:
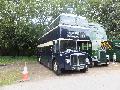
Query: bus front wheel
[84, 70]
[56, 68]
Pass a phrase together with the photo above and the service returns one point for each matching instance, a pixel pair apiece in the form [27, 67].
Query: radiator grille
[74, 59]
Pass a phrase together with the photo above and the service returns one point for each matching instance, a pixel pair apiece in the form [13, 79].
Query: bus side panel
[46, 56]
[103, 58]
[60, 60]
[49, 55]
[43, 56]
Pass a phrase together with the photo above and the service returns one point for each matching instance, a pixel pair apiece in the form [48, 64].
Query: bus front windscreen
[67, 45]
[84, 46]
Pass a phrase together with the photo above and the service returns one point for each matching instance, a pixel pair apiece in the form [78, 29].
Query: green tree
[105, 12]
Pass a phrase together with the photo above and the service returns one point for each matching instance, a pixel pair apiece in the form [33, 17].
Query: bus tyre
[84, 70]
[56, 68]
[90, 65]
[106, 64]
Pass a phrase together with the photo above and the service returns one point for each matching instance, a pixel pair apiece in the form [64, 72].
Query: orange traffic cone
[25, 73]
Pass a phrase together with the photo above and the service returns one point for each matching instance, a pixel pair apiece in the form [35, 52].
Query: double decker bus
[65, 47]
[99, 41]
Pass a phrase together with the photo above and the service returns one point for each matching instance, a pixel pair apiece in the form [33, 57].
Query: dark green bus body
[115, 44]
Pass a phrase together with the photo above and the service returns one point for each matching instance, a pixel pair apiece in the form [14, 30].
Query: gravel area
[97, 78]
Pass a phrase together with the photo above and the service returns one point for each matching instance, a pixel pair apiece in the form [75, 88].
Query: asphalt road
[98, 78]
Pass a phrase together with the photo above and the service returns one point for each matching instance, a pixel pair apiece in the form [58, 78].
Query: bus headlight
[67, 60]
[60, 54]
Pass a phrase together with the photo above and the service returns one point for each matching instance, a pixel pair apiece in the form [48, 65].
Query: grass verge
[11, 72]
[9, 77]
[12, 60]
